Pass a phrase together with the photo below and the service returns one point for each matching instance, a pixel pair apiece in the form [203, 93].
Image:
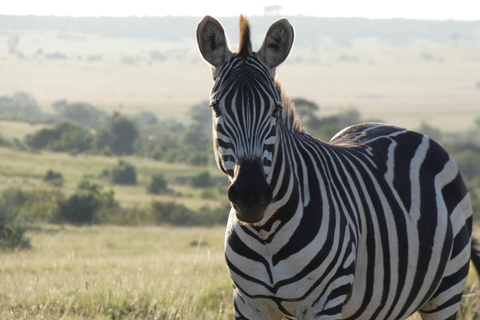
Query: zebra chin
[249, 215]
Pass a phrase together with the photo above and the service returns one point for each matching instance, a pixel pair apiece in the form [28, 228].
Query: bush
[20, 106]
[157, 184]
[62, 137]
[173, 214]
[12, 229]
[202, 180]
[119, 136]
[123, 173]
[82, 114]
[88, 205]
[178, 215]
[54, 178]
[34, 205]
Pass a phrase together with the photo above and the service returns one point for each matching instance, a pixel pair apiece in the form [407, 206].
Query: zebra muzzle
[250, 193]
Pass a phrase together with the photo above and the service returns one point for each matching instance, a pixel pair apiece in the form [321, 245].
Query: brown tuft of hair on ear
[245, 46]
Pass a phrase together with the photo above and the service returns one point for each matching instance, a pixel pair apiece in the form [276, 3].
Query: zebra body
[375, 224]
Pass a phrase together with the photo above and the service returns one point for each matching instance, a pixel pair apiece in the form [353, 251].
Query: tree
[306, 111]
[157, 184]
[123, 173]
[62, 137]
[87, 204]
[123, 134]
[80, 113]
[20, 103]
[118, 137]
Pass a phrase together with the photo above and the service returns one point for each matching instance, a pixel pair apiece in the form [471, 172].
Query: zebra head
[246, 103]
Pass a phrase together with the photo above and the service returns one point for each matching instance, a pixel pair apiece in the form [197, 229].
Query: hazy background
[394, 69]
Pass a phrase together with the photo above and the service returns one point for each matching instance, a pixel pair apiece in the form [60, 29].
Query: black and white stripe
[375, 224]
[244, 98]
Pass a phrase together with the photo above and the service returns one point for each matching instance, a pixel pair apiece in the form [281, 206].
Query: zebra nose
[249, 193]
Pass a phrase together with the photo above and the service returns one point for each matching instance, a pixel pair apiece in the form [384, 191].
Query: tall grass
[129, 273]
[117, 273]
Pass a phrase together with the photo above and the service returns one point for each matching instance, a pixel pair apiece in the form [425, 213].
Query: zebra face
[246, 105]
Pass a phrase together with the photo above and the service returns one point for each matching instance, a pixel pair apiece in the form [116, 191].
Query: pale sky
[383, 9]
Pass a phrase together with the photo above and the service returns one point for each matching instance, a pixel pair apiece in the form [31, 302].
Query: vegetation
[51, 153]
[111, 272]
[12, 229]
[157, 184]
[123, 173]
[54, 178]
[90, 131]
[117, 273]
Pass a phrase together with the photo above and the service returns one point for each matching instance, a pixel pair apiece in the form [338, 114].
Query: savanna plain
[139, 264]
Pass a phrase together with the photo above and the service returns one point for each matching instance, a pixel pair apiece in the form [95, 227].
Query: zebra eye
[216, 108]
[276, 109]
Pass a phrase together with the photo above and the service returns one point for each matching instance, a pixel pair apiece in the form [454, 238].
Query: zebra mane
[245, 46]
[289, 114]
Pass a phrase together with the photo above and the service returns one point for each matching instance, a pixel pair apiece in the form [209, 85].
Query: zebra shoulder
[361, 133]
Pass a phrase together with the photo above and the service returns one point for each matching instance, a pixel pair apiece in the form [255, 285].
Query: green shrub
[88, 205]
[173, 214]
[202, 180]
[12, 229]
[214, 216]
[119, 136]
[123, 173]
[20, 106]
[33, 206]
[54, 178]
[62, 137]
[178, 215]
[208, 193]
[157, 184]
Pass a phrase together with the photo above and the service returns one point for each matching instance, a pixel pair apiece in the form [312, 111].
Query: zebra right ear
[278, 43]
[212, 41]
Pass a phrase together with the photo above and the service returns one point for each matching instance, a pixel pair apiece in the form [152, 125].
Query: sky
[373, 9]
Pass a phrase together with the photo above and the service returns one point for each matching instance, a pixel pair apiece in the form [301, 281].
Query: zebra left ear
[278, 43]
[212, 41]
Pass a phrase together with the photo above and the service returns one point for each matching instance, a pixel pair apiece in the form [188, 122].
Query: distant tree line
[82, 128]
[89, 204]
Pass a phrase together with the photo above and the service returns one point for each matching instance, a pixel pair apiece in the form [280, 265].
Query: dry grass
[117, 273]
[127, 273]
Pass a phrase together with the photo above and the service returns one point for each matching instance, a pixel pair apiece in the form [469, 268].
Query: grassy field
[108, 272]
[117, 273]
[127, 273]
[26, 171]
[405, 86]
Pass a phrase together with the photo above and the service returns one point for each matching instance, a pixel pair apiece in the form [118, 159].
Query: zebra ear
[212, 41]
[278, 43]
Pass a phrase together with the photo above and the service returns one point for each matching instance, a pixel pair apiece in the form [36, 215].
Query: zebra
[374, 224]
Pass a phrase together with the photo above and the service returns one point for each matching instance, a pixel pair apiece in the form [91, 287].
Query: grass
[106, 272]
[26, 170]
[117, 273]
